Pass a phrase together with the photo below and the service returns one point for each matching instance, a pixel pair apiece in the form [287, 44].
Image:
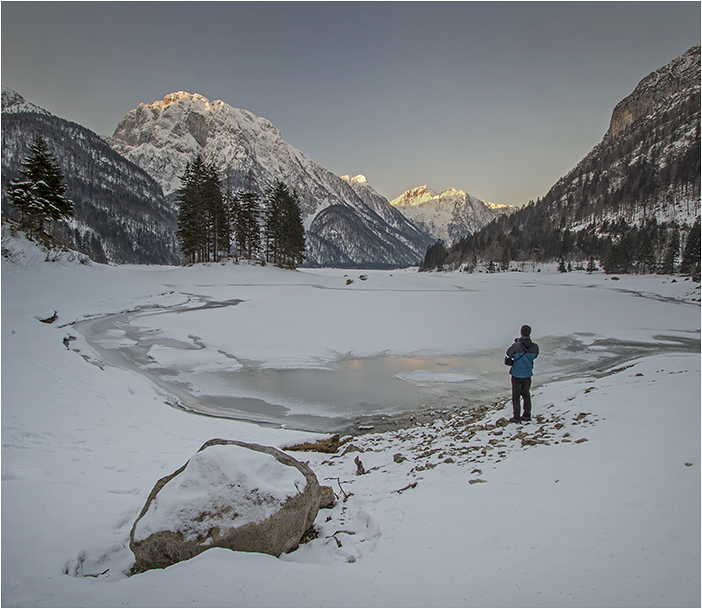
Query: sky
[500, 99]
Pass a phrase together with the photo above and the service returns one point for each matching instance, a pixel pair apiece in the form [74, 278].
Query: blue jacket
[523, 352]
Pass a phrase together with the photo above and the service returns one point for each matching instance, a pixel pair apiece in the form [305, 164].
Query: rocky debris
[230, 494]
[326, 445]
[475, 438]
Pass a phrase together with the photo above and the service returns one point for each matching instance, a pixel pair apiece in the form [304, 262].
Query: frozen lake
[337, 392]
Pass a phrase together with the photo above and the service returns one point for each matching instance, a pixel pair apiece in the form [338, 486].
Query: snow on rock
[230, 494]
[14, 102]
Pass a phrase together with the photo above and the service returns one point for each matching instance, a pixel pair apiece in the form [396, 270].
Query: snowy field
[595, 503]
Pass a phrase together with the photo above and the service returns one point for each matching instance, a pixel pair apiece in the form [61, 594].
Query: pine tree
[591, 266]
[284, 230]
[203, 222]
[672, 251]
[39, 195]
[690, 264]
[247, 223]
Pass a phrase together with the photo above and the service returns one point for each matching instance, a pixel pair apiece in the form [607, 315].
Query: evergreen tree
[203, 223]
[672, 251]
[591, 266]
[247, 223]
[435, 256]
[690, 264]
[284, 230]
[39, 194]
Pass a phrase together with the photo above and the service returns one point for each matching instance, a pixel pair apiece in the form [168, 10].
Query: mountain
[448, 215]
[648, 163]
[346, 225]
[635, 195]
[121, 214]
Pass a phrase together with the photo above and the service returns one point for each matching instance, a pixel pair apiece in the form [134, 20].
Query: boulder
[230, 494]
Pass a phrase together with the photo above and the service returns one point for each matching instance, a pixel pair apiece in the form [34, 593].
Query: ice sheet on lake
[430, 376]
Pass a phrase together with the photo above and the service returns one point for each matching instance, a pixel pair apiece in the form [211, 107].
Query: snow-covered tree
[39, 194]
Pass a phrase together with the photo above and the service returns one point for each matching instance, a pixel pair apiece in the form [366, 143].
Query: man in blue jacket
[524, 351]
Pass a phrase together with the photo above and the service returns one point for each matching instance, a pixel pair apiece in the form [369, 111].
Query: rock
[50, 320]
[398, 458]
[327, 445]
[502, 422]
[327, 498]
[360, 470]
[231, 494]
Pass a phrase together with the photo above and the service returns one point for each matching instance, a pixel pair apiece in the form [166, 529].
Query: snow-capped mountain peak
[359, 179]
[347, 222]
[447, 215]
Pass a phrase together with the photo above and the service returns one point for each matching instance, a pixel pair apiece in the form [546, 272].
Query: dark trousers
[520, 389]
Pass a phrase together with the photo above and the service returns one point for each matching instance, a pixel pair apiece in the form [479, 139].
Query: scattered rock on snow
[326, 445]
[244, 497]
[360, 470]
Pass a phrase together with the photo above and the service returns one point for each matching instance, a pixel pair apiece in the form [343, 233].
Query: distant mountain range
[448, 215]
[646, 167]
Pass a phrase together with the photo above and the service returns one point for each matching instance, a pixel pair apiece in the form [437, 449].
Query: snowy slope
[163, 137]
[448, 215]
[595, 504]
[14, 102]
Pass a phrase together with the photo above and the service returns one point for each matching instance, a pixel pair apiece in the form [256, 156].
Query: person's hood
[526, 342]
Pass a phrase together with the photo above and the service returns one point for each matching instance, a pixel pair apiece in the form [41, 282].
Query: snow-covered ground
[596, 503]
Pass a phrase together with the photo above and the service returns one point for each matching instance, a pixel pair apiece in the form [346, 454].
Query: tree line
[213, 224]
[616, 247]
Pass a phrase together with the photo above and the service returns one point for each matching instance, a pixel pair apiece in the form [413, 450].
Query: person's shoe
[526, 419]
[515, 420]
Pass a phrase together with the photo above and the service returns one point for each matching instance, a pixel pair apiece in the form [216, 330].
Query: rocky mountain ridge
[448, 215]
[347, 224]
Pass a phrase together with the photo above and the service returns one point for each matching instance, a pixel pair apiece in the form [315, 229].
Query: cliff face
[668, 86]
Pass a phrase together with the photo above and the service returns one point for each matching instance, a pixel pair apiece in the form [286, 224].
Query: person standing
[522, 353]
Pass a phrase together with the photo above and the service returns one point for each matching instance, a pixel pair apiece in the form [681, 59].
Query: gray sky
[499, 99]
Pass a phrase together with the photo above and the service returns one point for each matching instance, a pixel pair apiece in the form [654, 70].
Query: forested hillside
[121, 214]
[631, 204]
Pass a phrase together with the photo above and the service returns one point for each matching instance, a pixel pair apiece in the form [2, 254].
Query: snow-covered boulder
[230, 494]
